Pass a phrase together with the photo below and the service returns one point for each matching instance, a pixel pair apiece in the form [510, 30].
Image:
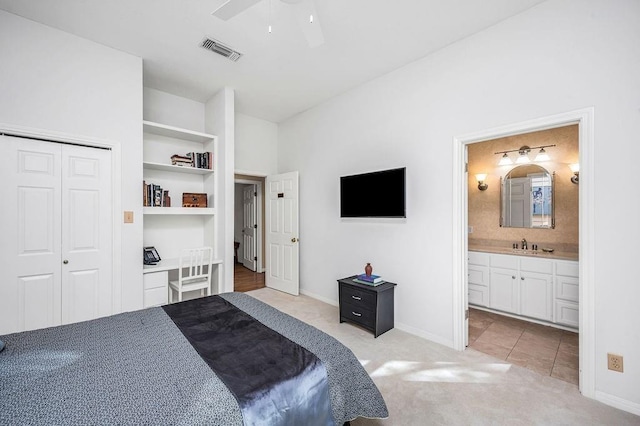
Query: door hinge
[466, 314]
[255, 194]
[466, 167]
[255, 257]
[255, 226]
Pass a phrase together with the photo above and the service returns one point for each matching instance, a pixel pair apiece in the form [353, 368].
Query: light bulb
[542, 155]
[505, 160]
[311, 19]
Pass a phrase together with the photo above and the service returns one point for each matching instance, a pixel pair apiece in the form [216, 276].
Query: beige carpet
[425, 383]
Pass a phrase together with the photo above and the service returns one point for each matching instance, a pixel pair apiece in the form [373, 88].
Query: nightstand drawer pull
[356, 314]
[356, 297]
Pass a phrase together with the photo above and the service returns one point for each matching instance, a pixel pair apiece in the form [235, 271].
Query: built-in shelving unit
[192, 211]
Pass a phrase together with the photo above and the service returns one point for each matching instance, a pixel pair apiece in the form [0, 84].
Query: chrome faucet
[524, 244]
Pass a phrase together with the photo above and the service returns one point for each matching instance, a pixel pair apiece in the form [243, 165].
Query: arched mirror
[527, 198]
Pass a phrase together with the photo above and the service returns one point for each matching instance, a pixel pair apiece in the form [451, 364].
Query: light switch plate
[128, 217]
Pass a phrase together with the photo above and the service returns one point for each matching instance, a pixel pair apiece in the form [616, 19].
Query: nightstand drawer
[357, 297]
[357, 314]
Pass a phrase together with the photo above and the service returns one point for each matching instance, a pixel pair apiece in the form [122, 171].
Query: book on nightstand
[372, 279]
[356, 280]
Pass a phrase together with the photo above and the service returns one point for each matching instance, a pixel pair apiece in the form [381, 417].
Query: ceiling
[279, 75]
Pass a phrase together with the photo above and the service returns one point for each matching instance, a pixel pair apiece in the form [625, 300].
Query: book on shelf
[154, 196]
[369, 278]
[200, 160]
[356, 280]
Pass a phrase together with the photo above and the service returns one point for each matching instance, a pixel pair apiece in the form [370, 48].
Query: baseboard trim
[320, 298]
[424, 335]
[617, 402]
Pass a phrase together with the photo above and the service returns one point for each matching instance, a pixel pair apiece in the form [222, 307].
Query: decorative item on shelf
[481, 177]
[166, 200]
[368, 269]
[190, 199]
[575, 168]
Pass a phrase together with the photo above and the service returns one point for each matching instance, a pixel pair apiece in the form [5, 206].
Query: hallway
[245, 279]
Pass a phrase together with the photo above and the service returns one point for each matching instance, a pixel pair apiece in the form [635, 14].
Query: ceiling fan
[305, 13]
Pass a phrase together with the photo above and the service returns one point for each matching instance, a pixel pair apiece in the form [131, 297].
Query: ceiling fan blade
[312, 30]
[231, 8]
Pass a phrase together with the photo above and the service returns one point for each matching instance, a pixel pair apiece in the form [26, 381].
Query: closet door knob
[65, 261]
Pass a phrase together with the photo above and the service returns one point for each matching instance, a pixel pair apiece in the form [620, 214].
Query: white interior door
[86, 233]
[30, 282]
[50, 216]
[249, 227]
[282, 249]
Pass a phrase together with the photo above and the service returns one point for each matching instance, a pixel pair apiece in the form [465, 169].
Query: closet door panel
[30, 221]
[86, 233]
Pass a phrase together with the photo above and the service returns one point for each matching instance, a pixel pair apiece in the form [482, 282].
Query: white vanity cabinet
[539, 288]
[567, 287]
[536, 288]
[478, 272]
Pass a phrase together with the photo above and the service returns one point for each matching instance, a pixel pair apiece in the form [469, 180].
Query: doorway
[248, 232]
[461, 186]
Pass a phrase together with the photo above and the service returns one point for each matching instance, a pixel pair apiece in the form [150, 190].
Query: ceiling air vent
[220, 49]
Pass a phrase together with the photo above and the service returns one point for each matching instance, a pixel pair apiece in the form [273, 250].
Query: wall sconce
[575, 168]
[523, 157]
[480, 177]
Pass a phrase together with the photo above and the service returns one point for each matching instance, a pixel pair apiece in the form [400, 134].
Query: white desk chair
[194, 272]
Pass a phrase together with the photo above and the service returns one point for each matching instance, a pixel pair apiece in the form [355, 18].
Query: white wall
[559, 56]
[60, 83]
[173, 110]
[256, 146]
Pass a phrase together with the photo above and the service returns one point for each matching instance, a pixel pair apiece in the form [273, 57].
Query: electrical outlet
[614, 362]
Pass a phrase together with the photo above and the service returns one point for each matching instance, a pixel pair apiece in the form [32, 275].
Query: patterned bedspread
[138, 368]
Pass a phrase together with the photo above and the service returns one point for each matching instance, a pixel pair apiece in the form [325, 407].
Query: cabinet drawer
[357, 314]
[357, 297]
[567, 313]
[478, 275]
[504, 262]
[569, 269]
[543, 266]
[478, 295]
[156, 280]
[568, 288]
[155, 297]
[480, 259]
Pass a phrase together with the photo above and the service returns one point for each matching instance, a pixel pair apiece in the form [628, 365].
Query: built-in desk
[156, 280]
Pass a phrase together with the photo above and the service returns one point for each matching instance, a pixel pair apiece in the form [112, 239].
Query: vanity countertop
[519, 252]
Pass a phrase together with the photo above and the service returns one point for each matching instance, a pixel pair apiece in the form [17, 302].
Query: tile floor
[546, 350]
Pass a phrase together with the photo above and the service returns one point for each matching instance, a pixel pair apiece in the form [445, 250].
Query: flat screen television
[375, 194]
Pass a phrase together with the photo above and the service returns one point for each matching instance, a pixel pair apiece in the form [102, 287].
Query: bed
[220, 360]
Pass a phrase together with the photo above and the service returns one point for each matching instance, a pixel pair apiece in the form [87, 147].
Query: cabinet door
[503, 294]
[536, 295]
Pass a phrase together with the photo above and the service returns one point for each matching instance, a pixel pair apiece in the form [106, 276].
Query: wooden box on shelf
[191, 199]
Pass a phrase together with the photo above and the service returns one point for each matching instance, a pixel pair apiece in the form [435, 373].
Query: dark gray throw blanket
[138, 368]
[274, 380]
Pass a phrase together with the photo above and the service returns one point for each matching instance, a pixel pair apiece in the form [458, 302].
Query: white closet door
[86, 233]
[30, 251]
[49, 215]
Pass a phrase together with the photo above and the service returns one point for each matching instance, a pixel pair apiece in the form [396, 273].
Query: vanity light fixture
[523, 158]
[542, 155]
[505, 160]
[575, 168]
[481, 177]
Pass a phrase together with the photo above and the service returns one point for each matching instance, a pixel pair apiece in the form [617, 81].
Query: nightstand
[370, 307]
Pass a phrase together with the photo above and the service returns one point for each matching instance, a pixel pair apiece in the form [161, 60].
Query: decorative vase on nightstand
[368, 269]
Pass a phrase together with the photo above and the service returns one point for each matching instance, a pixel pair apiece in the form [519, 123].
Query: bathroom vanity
[532, 285]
